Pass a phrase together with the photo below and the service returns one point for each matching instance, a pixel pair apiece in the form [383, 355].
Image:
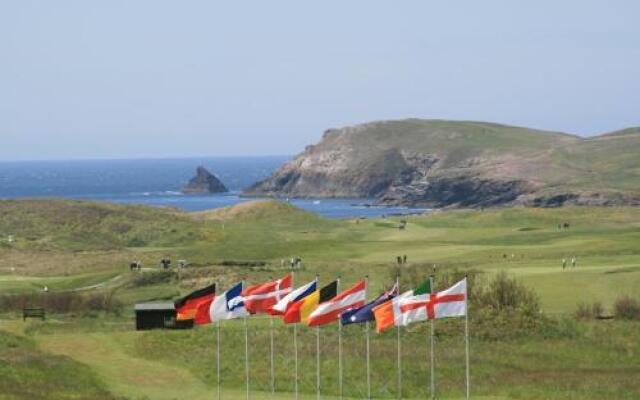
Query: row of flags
[315, 306]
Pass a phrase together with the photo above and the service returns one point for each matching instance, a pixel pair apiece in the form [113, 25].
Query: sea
[157, 183]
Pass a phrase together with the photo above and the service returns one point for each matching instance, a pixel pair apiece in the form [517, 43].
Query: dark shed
[158, 316]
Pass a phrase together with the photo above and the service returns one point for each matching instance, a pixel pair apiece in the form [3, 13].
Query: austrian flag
[260, 298]
[330, 311]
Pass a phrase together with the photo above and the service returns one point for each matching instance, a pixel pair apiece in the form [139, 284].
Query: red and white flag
[451, 302]
[330, 311]
[260, 298]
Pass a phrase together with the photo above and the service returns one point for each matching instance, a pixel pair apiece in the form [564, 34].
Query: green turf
[582, 360]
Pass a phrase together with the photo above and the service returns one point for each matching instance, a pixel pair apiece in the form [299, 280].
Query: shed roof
[154, 306]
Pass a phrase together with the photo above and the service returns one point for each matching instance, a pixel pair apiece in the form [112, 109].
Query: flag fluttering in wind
[281, 307]
[329, 311]
[300, 310]
[260, 298]
[228, 305]
[388, 314]
[451, 302]
[187, 307]
[419, 305]
[365, 313]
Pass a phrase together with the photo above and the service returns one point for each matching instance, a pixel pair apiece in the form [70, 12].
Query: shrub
[151, 278]
[501, 308]
[586, 311]
[62, 302]
[627, 308]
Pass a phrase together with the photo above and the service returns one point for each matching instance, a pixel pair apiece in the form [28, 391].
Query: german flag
[187, 307]
[300, 310]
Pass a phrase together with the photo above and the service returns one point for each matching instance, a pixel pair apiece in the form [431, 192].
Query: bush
[501, 308]
[62, 302]
[151, 278]
[586, 311]
[627, 308]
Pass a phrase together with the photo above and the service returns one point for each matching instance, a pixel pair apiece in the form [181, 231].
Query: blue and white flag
[228, 305]
[365, 313]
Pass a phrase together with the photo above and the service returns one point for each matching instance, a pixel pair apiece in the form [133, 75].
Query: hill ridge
[441, 163]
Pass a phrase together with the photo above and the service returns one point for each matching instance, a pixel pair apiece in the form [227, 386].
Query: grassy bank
[570, 360]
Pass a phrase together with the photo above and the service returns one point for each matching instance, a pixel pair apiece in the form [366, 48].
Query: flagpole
[368, 341]
[433, 357]
[339, 349]
[466, 334]
[317, 358]
[399, 371]
[295, 347]
[317, 362]
[218, 357]
[273, 377]
[246, 351]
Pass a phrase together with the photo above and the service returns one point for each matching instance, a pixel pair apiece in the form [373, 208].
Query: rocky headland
[436, 163]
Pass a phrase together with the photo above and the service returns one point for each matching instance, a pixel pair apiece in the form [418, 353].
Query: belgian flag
[187, 307]
[300, 310]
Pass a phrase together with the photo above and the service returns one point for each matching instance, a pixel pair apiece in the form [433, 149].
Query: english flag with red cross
[451, 302]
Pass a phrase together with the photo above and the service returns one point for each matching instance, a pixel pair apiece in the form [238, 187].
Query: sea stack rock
[204, 182]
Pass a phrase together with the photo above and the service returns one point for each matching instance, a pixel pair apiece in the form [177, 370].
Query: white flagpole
[433, 357]
[339, 349]
[399, 350]
[246, 351]
[368, 341]
[295, 347]
[273, 377]
[317, 362]
[218, 358]
[317, 355]
[466, 334]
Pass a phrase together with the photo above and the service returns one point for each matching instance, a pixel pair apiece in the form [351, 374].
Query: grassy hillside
[82, 225]
[26, 372]
[560, 359]
[463, 163]
[457, 139]
[522, 241]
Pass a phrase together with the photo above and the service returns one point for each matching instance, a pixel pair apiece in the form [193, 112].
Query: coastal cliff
[438, 163]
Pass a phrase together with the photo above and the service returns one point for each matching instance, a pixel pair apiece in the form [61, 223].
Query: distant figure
[45, 289]
[166, 263]
[135, 266]
[566, 225]
[564, 263]
[399, 259]
[404, 259]
[504, 255]
[182, 263]
[573, 262]
[559, 227]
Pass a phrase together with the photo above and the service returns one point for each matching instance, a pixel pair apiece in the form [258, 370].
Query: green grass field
[571, 360]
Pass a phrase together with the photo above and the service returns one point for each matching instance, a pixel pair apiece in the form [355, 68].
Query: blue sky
[128, 79]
